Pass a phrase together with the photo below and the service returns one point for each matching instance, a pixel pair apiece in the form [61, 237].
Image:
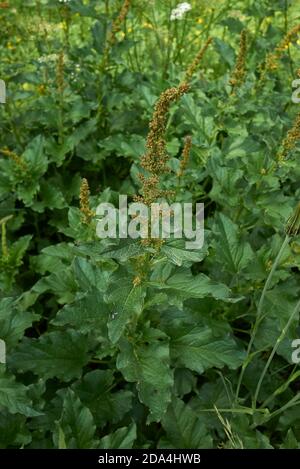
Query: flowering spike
[239, 71]
[192, 68]
[271, 61]
[116, 27]
[290, 141]
[5, 252]
[85, 202]
[185, 155]
[156, 157]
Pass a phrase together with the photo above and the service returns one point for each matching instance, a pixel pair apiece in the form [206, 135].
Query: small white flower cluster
[47, 58]
[179, 12]
[76, 71]
[64, 1]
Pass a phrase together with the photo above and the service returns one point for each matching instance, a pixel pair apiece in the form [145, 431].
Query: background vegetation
[115, 343]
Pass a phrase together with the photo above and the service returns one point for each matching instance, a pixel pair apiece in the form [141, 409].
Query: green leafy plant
[123, 343]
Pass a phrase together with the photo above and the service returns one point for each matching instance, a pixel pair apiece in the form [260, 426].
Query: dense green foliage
[116, 344]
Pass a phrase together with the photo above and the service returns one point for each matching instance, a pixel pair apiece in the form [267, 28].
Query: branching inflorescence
[156, 158]
[84, 197]
[272, 58]
[239, 72]
[291, 139]
[115, 28]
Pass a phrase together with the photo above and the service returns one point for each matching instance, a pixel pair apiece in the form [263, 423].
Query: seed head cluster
[192, 68]
[116, 27]
[84, 197]
[271, 61]
[291, 139]
[239, 72]
[156, 157]
[291, 36]
[155, 160]
[4, 241]
[185, 155]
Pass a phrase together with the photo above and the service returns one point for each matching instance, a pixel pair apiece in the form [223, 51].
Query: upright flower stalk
[84, 198]
[259, 314]
[272, 58]
[274, 350]
[115, 28]
[239, 72]
[156, 158]
[4, 247]
[290, 141]
[110, 41]
[292, 228]
[60, 85]
[193, 67]
[185, 156]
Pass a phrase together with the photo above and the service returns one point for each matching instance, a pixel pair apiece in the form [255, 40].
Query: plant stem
[286, 30]
[259, 312]
[269, 279]
[274, 350]
[292, 402]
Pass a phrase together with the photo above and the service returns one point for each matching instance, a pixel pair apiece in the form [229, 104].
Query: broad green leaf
[34, 156]
[184, 429]
[198, 349]
[225, 51]
[290, 441]
[76, 428]
[176, 252]
[198, 286]
[126, 301]
[123, 438]
[61, 283]
[13, 321]
[148, 364]
[13, 431]
[105, 404]
[37, 165]
[124, 251]
[90, 276]
[52, 197]
[231, 252]
[18, 249]
[53, 258]
[246, 437]
[86, 314]
[54, 354]
[279, 305]
[13, 395]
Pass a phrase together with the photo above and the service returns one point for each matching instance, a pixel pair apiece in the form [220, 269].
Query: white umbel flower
[179, 12]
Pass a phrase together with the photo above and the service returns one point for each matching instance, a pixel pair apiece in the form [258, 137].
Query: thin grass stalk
[259, 311]
[274, 350]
